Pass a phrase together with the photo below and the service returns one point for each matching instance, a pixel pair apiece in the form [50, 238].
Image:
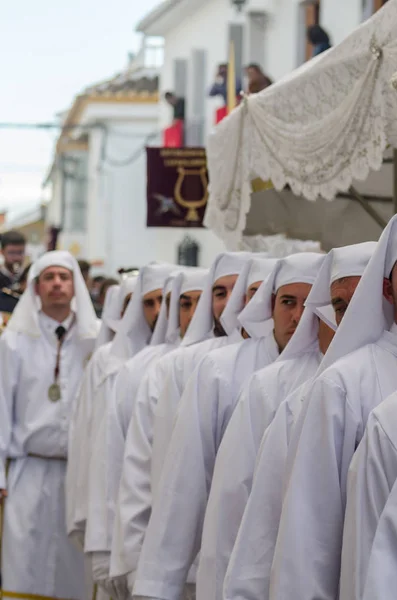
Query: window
[188, 252]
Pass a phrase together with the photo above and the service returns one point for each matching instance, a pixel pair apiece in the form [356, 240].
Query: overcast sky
[49, 52]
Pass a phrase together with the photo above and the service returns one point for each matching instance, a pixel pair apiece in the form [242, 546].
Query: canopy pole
[368, 208]
[395, 180]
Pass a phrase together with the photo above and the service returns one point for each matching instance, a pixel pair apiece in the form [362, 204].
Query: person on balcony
[319, 39]
[219, 87]
[178, 105]
[257, 80]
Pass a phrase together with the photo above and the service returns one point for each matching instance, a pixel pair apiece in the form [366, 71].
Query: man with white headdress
[81, 427]
[261, 401]
[110, 316]
[204, 332]
[175, 312]
[358, 372]
[172, 541]
[133, 335]
[42, 357]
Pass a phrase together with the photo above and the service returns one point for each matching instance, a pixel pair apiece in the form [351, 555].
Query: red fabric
[173, 136]
[220, 114]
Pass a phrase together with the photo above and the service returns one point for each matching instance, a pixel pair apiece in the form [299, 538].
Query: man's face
[14, 254]
[151, 307]
[342, 292]
[55, 287]
[187, 307]
[253, 288]
[288, 307]
[221, 291]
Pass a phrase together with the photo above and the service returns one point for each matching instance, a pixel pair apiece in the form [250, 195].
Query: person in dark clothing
[219, 87]
[178, 104]
[13, 245]
[257, 80]
[319, 39]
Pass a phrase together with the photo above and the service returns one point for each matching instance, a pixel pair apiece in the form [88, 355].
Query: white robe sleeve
[311, 523]
[9, 375]
[372, 475]
[135, 499]
[174, 534]
[231, 485]
[100, 512]
[79, 448]
[381, 579]
[248, 572]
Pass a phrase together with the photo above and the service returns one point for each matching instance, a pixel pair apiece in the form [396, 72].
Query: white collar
[50, 325]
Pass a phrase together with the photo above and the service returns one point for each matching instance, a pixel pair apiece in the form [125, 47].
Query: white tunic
[80, 447]
[110, 439]
[314, 504]
[231, 487]
[372, 475]
[381, 579]
[173, 537]
[248, 573]
[162, 387]
[37, 556]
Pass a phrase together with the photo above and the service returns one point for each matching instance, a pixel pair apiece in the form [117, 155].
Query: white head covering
[160, 331]
[109, 316]
[134, 332]
[255, 269]
[256, 318]
[201, 326]
[127, 287]
[186, 281]
[368, 314]
[348, 261]
[25, 316]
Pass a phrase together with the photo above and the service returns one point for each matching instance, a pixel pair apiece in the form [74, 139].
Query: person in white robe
[329, 429]
[173, 537]
[372, 476]
[110, 316]
[133, 335]
[204, 332]
[249, 566]
[42, 358]
[81, 427]
[381, 572]
[119, 409]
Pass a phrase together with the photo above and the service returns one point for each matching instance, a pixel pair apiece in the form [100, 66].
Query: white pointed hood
[192, 280]
[25, 316]
[348, 261]
[134, 332]
[160, 330]
[256, 318]
[368, 314]
[201, 326]
[109, 316]
[258, 268]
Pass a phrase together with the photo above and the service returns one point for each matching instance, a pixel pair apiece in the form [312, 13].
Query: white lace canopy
[323, 126]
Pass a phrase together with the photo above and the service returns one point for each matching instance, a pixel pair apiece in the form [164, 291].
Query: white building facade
[271, 33]
[98, 178]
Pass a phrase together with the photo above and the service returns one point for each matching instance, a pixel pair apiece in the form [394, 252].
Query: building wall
[117, 232]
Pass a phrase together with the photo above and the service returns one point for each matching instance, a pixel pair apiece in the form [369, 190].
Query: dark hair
[107, 283]
[12, 238]
[317, 35]
[168, 95]
[254, 66]
[99, 279]
[84, 266]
